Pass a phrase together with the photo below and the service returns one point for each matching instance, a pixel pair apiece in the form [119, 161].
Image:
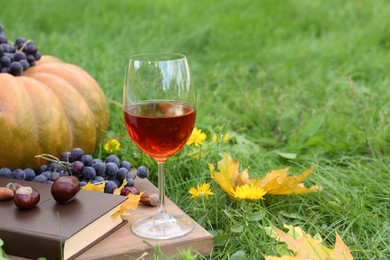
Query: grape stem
[24, 46]
[52, 158]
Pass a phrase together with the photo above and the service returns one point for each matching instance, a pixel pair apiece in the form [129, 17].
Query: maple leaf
[229, 177]
[97, 187]
[306, 247]
[277, 182]
[131, 203]
[239, 185]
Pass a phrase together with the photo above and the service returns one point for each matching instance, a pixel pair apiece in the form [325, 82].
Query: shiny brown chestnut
[26, 197]
[65, 189]
[130, 189]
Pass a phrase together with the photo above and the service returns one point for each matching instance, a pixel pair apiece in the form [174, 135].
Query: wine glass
[159, 113]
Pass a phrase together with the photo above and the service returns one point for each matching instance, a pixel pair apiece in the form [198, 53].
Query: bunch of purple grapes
[87, 169]
[17, 57]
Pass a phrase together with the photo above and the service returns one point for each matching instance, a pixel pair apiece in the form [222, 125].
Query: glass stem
[161, 188]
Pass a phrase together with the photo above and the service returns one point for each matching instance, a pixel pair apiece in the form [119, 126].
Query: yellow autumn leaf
[118, 190]
[277, 182]
[239, 185]
[97, 187]
[130, 204]
[306, 247]
[228, 176]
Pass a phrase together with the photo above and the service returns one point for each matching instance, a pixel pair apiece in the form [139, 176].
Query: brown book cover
[57, 231]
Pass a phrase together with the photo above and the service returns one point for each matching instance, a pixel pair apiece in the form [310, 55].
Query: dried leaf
[277, 182]
[306, 247]
[130, 204]
[117, 191]
[97, 187]
[229, 177]
[239, 185]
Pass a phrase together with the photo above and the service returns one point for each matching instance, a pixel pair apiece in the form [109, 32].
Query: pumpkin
[54, 107]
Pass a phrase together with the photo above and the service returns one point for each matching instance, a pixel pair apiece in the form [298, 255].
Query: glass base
[162, 226]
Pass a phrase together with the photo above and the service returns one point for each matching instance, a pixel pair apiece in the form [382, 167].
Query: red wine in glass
[160, 128]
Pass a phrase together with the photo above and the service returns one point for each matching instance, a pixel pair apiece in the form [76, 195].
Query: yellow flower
[226, 138]
[112, 145]
[197, 137]
[203, 190]
[249, 191]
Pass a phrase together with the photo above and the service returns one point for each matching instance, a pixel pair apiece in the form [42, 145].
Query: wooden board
[123, 244]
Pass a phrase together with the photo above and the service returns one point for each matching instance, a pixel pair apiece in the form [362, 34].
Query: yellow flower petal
[197, 137]
[249, 191]
[112, 145]
[203, 190]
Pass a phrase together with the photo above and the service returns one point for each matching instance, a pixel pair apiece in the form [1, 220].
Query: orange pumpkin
[54, 107]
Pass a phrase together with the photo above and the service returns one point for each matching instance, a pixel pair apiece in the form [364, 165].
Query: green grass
[298, 76]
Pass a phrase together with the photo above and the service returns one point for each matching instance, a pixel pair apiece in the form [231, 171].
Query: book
[124, 244]
[57, 231]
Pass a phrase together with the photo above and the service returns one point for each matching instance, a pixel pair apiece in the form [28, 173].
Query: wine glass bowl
[159, 114]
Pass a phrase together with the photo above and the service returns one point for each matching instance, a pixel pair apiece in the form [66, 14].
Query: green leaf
[238, 255]
[238, 228]
[221, 240]
[256, 216]
[290, 156]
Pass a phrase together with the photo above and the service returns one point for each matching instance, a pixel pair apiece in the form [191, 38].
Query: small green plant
[3, 255]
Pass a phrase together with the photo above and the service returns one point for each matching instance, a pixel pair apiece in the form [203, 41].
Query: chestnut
[6, 193]
[130, 189]
[65, 189]
[26, 197]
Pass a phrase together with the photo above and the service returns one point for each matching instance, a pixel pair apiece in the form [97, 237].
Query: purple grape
[76, 167]
[97, 179]
[40, 178]
[3, 39]
[19, 42]
[143, 172]
[5, 173]
[30, 49]
[96, 161]
[5, 61]
[125, 164]
[37, 55]
[47, 174]
[89, 173]
[87, 159]
[112, 158]
[65, 156]
[25, 64]
[110, 186]
[130, 181]
[42, 168]
[54, 176]
[18, 174]
[29, 173]
[55, 167]
[122, 173]
[100, 168]
[111, 169]
[76, 154]
[19, 56]
[16, 68]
